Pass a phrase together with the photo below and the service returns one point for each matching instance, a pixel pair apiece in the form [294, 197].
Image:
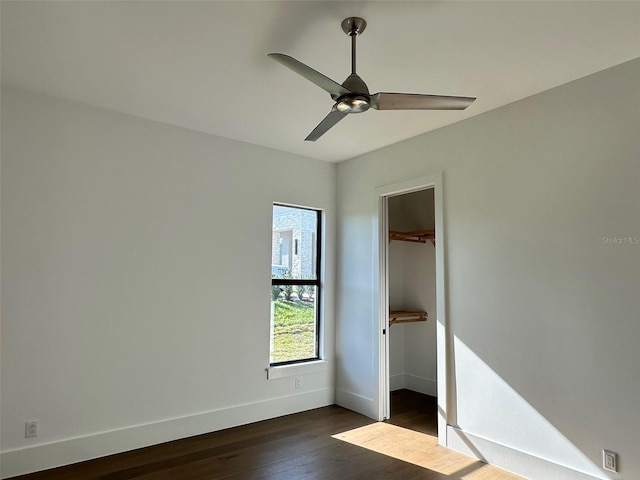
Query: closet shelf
[403, 316]
[418, 236]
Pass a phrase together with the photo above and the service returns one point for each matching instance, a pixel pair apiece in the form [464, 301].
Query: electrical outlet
[298, 383]
[610, 460]
[31, 429]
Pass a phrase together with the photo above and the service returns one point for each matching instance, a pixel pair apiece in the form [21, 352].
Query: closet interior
[412, 293]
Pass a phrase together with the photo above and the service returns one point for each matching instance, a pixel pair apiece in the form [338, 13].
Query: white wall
[136, 280]
[542, 312]
[412, 346]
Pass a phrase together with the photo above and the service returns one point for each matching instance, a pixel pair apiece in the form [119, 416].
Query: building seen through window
[295, 285]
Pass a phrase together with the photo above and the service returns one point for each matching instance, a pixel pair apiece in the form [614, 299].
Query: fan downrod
[358, 101]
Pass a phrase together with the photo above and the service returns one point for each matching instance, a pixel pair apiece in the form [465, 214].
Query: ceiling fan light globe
[353, 104]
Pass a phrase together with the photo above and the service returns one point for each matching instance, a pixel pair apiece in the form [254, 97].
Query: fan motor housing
[355, 84]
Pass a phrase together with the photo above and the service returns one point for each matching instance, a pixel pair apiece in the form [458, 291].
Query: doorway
[413, 340]
[411, 286]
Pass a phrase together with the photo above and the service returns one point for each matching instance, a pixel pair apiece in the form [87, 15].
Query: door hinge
[384, 331]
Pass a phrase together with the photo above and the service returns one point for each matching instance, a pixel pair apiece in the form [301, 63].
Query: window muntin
[295, 285]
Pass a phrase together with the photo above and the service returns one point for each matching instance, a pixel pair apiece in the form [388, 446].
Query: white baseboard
[64, 452]
[397, 382]
[422, 385]
[358, 403]
[413, 383]
[514, 461]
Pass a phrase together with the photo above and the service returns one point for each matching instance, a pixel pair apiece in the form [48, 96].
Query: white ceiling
[204, 65]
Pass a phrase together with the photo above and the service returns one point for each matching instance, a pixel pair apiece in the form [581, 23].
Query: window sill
[296, 369]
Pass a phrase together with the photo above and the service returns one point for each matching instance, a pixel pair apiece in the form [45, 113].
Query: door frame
[445, 385]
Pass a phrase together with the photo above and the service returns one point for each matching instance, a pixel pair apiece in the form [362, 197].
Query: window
[295, 285]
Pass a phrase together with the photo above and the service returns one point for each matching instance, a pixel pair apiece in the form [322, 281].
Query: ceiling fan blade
[334, 88]
[414, 101]
[323, 127]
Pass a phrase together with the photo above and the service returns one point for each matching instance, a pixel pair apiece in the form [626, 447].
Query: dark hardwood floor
[295, 447]
[414, 411]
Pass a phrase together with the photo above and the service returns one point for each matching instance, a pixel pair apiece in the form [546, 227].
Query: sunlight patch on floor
[421, 450]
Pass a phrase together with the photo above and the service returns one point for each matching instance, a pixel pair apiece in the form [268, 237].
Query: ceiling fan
[353, 95]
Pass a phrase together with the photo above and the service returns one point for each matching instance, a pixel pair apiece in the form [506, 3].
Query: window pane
[293, 245]
[293, 323]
